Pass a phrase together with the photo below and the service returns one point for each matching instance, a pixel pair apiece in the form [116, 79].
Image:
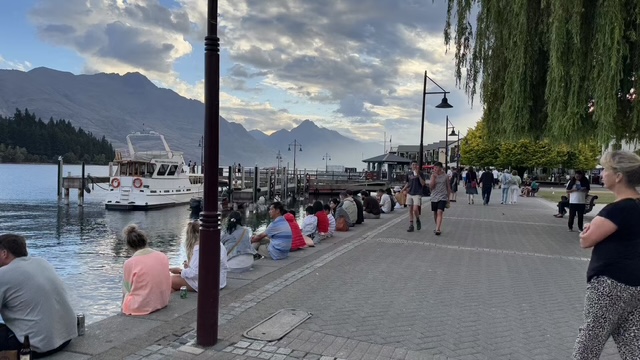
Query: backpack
[393, 201]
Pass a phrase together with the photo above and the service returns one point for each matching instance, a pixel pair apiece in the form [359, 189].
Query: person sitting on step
[275, 241]
[310, 224]
[563, 204]
[237, 242]
[371, 207]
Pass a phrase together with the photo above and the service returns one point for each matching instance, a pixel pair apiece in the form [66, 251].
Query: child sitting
[310, 224]
[562, 205]
[332, 220]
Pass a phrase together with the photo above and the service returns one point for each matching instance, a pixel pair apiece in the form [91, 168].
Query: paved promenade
[501, 282]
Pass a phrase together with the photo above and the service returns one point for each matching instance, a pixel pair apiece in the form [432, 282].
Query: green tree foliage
[23, 138]
[537, 64]
[479, 149]
[476, 149]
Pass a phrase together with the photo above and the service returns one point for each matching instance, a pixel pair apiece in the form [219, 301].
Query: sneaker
[257, 257]
[570, 230]
[410, 229]
[418, 225]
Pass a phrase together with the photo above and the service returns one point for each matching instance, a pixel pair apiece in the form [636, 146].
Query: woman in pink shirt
[147, 284]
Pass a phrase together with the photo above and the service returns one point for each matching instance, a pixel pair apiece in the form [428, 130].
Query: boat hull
[157, 196]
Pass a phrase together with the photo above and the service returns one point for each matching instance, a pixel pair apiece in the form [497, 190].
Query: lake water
[85, 244]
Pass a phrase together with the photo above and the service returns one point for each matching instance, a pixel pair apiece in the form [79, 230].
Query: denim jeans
[505, 194]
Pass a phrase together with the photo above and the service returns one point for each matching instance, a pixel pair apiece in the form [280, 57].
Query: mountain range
[115, 105]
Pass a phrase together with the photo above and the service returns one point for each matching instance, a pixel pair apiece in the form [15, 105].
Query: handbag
[474, 184]
[341, 224]
[236, 244]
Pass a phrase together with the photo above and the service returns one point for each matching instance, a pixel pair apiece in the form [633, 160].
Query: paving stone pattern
[501, 282]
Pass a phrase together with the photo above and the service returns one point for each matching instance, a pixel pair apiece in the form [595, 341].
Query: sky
[354, 66]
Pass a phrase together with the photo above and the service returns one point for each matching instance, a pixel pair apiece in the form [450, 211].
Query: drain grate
[276, 326]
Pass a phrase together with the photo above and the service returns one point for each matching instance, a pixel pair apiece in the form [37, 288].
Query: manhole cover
[276, 326]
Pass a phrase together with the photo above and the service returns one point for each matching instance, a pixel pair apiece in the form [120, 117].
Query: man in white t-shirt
[33, 301]
[577, 188]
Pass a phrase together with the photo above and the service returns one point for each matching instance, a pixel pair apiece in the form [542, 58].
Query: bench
[590, 203]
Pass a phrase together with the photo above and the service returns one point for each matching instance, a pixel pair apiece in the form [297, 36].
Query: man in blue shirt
[415, 182]
[275, 241]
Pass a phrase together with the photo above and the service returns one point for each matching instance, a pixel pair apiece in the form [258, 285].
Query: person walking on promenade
[505, 180]
[486, 181]
[577, 188]
[441, 190]
[514, 189]
[415, 182]
[454, 181]
[612, 301]
[471, 184]
[33, 301]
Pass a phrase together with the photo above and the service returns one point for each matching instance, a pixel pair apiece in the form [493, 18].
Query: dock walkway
[501, 282]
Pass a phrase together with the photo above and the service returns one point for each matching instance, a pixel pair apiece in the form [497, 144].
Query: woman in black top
[612, 304]
[471, 184]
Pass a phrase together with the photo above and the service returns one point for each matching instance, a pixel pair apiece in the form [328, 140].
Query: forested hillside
[24, 138]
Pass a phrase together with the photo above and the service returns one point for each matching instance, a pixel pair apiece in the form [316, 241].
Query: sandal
[438, 232]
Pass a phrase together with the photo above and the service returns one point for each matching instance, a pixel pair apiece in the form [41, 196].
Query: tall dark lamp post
[201, 146]
[279, 159]
[295, 145]
[444, 104]
[458, 152]
[209, 257]
[326, 159]
[446, 142]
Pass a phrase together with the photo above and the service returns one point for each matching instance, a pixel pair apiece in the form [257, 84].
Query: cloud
[8, 64]
[342, 64]
[118, 36]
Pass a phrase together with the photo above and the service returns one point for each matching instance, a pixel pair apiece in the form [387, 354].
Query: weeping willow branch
[538, 63]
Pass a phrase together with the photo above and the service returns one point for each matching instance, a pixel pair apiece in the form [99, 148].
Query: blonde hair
[192, 239]
[135, 238]
[625, 163]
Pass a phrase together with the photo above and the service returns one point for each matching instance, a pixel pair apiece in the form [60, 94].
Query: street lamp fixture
[326, 159]
[444, 104]
[295, 145]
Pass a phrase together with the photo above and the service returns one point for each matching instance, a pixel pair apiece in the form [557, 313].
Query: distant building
[432, 152]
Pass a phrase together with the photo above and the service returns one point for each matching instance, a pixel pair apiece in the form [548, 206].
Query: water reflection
[85, 244]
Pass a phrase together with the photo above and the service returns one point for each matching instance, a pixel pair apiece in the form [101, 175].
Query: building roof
[387, 158]
[427, 147]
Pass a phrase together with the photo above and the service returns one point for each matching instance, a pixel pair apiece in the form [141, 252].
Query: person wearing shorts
[440, 194]
[415, 182]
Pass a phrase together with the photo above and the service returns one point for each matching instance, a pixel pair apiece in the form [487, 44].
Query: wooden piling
[81, 190]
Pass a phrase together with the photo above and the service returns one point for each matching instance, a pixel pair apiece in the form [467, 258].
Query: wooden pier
[249, 184]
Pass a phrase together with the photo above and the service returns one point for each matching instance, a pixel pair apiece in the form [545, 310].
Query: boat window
[172, 170]
[151, 168]
[166, 191]
[153, 191]
[162, 171]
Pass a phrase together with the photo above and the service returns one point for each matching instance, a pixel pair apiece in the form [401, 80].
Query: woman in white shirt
[385, 201]
[189, 275]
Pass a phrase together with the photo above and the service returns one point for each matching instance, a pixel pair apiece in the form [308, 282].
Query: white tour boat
[143, 180]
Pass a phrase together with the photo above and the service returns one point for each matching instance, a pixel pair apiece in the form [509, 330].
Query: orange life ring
[137, 183]
[115, 183]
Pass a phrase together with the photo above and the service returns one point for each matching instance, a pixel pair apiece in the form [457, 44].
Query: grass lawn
[604, 197]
